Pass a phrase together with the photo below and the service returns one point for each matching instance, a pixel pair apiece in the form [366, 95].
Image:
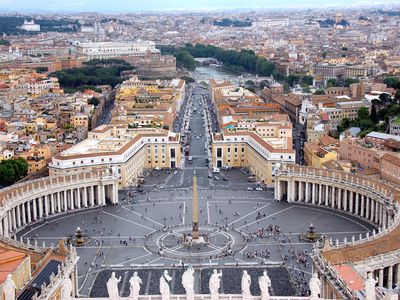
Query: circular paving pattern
[217, 242]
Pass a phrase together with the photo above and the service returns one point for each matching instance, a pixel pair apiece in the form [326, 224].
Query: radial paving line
[147, 218]
[115, 216]
[250, 213]
[266, 217]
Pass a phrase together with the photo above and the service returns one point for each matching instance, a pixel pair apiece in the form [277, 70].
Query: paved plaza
[245, 228]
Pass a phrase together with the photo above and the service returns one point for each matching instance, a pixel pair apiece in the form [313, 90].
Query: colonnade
[367, 199]
[345, 198]
[39, 199]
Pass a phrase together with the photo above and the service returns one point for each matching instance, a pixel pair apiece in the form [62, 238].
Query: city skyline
[128, 6]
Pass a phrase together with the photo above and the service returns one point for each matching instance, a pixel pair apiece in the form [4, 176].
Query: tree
[12, 170]
[286, 88]
[332, 83]
[292, 80]
[385, 97]
[306, 89]
[392, 82]
[374, 116]
[42, 69]
[349, 81]
[319, 92]
[4, 42]
[363, 113]
[307, 80]
[94, 101]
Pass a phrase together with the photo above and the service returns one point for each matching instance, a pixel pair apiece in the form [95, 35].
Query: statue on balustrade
[188, 282]
[66, 288]
[264, 283]
[246, 282]
[391, 294]
[315, 287]
[164, 286]
[214, 282]
[135, 283]
[369, 287]
[9, 288]
[112, 287]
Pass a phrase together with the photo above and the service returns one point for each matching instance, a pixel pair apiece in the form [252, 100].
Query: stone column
[362, 212]
[72, 198]
[313, 193]
[58, 200]
[326, 195]
[34, 205]
[398, 274]
[390, 277]
[28, 211]
[115, 190]
[357, 204]
[91, 196]
[307, 195]
[1, 228]
[380, 278]
[46, 205]
[65, 201]
[276, 190]
[18, 216]
[351, 195]
[333, 197]
[376, 219]
[41, 207]
[78, 197]
[6, 228]
[23, 213]
[384, 218]
[85, 200]
[367, 208]
[345, 200]
[52, 201]
[320, 194]
[14, 220]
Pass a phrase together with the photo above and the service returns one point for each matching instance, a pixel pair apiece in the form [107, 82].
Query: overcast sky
[138, 5]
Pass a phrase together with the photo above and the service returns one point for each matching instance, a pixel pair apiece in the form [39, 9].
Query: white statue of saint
[135, 283]
[112, 287]
[391, 294]
[264, 283]
[66, 289]
[9, 288]
[214, 282]
[188, 282]
[164, 286]
[315, 286]
[369, 287]
[246, 281]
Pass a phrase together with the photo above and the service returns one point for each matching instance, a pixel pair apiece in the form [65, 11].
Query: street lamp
[165, 222]
[226, 222]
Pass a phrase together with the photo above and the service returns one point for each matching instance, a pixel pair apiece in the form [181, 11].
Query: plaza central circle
[175, 242]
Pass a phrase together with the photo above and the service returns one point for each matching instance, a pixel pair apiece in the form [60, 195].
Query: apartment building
[248, 150]
[124, 151]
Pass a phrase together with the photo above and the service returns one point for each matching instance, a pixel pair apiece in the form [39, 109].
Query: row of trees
[226, 22]
[12, 170]
[11, 25]
[237, 61]
[92, 74]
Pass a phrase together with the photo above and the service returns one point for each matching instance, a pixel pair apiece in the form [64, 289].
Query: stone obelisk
[195, 225]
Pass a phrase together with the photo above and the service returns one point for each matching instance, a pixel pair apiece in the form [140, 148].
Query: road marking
[118, 217]
[250, 213]
[147, 218]
[266, 217]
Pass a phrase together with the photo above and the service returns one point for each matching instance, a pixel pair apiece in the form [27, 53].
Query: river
[207, 72]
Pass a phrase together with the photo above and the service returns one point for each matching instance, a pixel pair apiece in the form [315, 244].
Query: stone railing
[203, 297]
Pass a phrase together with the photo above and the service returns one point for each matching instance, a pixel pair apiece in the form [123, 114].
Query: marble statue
[66, 289]
[264, 283]
[391, 294]
[214, 284]
[135, 283]
[369, 287]
[315, 287]
[188, 282]
[9, 288]
[246, 281]
[164, 286]
[112, 287]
